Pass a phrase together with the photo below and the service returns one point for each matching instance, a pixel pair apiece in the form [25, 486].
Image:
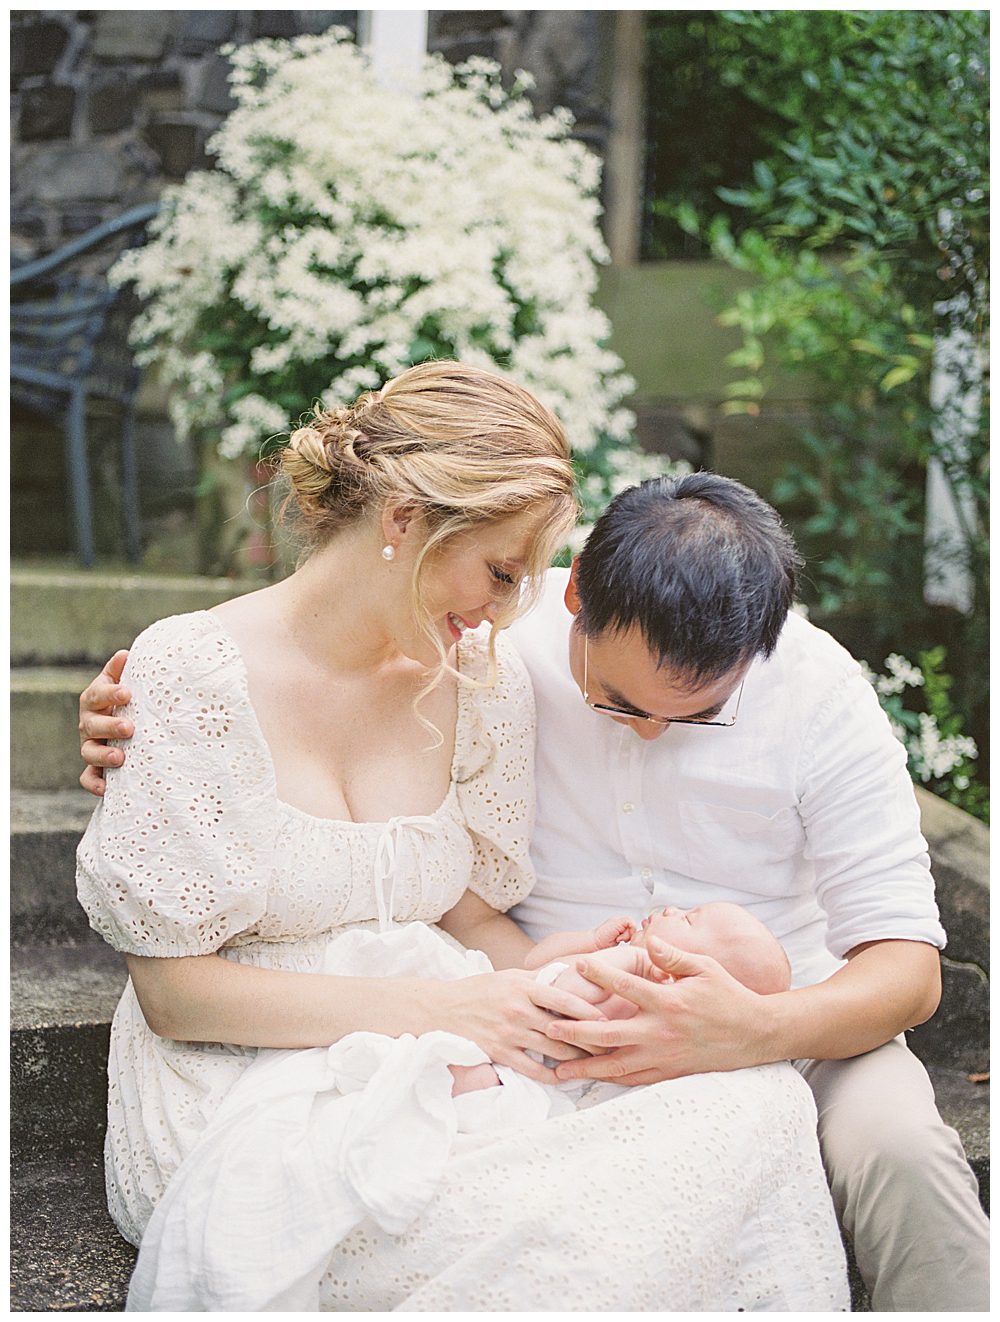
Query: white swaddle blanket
[310, 1142]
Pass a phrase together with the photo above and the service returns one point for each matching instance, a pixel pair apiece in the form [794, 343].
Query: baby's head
[730, 934]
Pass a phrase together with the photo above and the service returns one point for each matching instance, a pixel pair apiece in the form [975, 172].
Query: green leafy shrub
[864, 220]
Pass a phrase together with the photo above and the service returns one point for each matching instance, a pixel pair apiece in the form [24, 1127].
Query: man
[733, 751]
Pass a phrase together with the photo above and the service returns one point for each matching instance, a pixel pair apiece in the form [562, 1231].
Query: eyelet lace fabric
[705, 1193]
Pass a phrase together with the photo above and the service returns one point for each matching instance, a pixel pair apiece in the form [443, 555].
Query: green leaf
[897, 376]
[737, 197]
[866, 346]
[421, 349]
[764, 175]
[687, 218]
[751, 388]
[751, 355]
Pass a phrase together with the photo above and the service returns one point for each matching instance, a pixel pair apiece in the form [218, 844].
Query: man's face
[622, 672]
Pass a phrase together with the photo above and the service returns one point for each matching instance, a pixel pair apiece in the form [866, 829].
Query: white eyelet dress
[699, 1194]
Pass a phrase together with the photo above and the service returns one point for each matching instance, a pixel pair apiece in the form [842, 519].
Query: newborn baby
[730, 934]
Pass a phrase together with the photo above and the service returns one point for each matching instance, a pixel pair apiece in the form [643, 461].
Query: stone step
[64, 985]
[44, 726]
[63, 997]
[68, 617]
[46, 826]
[66, 1254]
[958, 1036]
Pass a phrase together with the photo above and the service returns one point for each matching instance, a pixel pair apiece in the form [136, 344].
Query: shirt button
[628, 807]
[646, 873]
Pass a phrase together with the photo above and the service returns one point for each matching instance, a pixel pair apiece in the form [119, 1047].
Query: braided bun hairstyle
[460, 445]
[330, 482]
[449, 439]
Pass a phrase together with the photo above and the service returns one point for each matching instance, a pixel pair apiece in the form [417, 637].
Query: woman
[332, 753]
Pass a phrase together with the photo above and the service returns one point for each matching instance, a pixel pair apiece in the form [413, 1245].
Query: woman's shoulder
[496, 722]
[190, 632]
[508, 673]
[191, 652]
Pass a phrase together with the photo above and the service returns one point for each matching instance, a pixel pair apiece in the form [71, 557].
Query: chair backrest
[58, 319]
[25, 273]
[54, 336]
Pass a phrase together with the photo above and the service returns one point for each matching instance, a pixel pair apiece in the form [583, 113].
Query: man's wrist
[775, 1027]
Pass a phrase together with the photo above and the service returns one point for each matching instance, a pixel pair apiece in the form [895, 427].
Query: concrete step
[958, 1036]
[44, 726]
[62, 1001]
[66, 1254]
[46, 826]
[68, 617]
[62, 985]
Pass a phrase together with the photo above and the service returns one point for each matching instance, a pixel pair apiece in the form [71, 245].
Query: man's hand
[692, 1018]
[98, 724]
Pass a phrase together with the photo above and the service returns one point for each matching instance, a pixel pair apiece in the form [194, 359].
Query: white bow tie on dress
[386, 855]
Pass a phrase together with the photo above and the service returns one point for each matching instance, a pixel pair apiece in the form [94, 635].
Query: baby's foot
[613, 932]
[473, 1078]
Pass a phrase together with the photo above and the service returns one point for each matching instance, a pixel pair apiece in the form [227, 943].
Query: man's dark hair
[701, 565]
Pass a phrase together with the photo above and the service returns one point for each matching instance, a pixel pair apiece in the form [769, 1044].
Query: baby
[730, 934]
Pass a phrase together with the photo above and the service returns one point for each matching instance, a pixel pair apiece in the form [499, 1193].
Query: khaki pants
[902, 1188]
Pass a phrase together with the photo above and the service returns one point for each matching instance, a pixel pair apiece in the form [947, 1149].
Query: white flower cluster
[351, 229]
[902, 674]
[931, 755]
[934, 756]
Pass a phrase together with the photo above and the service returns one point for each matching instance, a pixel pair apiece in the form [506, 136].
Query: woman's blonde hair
[461, 445]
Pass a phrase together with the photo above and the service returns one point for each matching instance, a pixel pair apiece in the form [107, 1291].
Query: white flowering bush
[939, 755]
[350, 230]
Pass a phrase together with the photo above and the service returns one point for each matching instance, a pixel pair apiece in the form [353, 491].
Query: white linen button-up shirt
[802, 811]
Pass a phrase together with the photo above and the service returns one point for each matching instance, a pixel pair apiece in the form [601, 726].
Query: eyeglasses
[608, 710]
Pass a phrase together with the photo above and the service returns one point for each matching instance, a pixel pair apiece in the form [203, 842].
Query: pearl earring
[388, 553]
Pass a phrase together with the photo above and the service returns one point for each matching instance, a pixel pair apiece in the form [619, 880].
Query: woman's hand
[98, 724]
[507, 1014]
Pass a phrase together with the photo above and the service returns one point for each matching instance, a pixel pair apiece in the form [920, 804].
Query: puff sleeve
[177, 856]
[494, 768]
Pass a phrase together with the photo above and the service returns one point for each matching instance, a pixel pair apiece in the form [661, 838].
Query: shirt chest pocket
[747, 851]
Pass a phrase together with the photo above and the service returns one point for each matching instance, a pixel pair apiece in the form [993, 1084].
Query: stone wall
[109, 106]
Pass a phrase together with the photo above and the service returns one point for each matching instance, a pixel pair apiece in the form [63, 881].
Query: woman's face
[476, 576]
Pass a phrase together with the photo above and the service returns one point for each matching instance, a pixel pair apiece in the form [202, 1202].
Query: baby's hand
[613, 933]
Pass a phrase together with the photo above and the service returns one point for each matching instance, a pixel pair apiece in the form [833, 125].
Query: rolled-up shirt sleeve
[862, 824]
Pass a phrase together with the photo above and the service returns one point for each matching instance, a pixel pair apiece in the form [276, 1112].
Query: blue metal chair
[65, 349]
